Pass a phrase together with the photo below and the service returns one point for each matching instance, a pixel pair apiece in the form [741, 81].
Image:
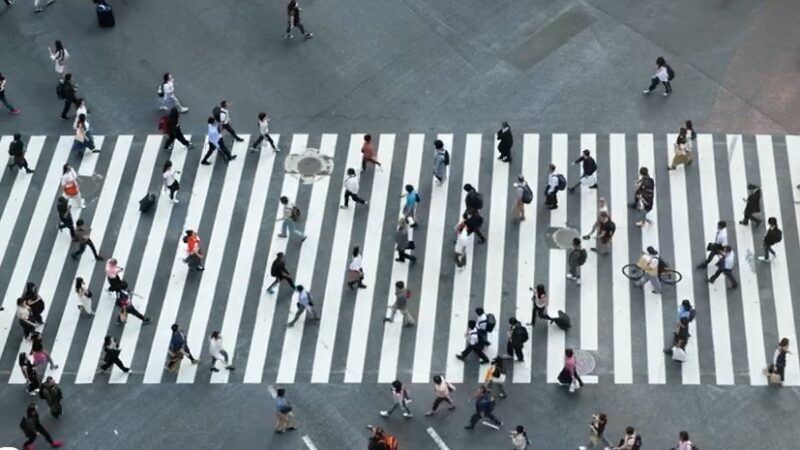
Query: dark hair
[587, 152]
[167, 165]
[576, 241]
[66, 168]
[174, 327]
[569, 353]
[471, 323]
[438, 144]
[67, 77]
[368, 138]
[772, 221]
[351, 171]
[400, 285]
[262, 115]
[212, 120]
[513, 321]
[355, 251]
[37, 346]
[540, 289]
[684, 435]
[166, 77]
[79, 222]
[59, 45]
[722, 224]
[784, 342]
[223, 104]
[279, 255]
[752, 187]
[437, 379]
[602, 417]
[17, 136]
[660, 61]
[689, 125]
[521, 429]
[299, 288]
[552, 166]
[397, 385]
[686, 303]
[284, 199]
[280, 392]
[107, 341]
[479, 311]
[644, 171]
[468, 187]
[409, 188]
[630, 430]
[78, 283]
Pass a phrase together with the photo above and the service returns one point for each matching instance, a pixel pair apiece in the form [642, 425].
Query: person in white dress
[59, 56]
[84, 296]
[217, 352]
[166, 92]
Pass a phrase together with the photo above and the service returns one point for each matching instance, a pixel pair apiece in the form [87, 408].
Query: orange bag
[71, 189]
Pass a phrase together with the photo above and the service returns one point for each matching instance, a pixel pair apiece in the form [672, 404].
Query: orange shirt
[193, 243]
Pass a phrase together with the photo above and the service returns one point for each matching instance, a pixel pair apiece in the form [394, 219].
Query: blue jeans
[289, 226]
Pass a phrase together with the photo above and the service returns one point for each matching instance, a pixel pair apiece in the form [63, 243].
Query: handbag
[678, 354]
[574, 386]
[71, 189]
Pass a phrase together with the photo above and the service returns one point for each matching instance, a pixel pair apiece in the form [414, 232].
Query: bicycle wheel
[633, 272]
[670, 276]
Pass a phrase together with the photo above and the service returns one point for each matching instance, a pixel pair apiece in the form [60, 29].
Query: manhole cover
[308, 166]
[562, 237]
[585, 362]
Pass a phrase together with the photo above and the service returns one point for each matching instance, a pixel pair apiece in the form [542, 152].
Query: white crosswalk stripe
[236, 206]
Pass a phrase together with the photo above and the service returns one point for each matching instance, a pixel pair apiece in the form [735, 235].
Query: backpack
[778, 235]
[446, 158]
[522, 334]
[295, 214]
[419, 200]
[147, 202]
[527, 194]
[562, 321]
[60, 90]
[476, 198]
[216, 112]
[491, 322]
[562, 182]
[637, 442]
[670, 73]
[582, 256]
[692, 315]
[160, 90]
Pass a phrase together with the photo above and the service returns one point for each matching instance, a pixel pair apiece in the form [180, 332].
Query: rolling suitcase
[105, 16]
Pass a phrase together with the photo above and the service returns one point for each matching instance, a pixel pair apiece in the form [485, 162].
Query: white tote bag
[678, 354]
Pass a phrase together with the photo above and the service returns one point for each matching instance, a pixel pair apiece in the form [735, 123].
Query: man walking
[753, 205]
[714, 248]
[291, 214]
[441, 159]
[725, 266]
[304, 303]
[351, 189]
[401, 296]
[293, 12]
[773, 236]
[65, 216]
[16, 150]
[605, 228]
[283, 412]
[66, 92]
[401, 242]
[484, 406]
[178, 348]
[223, 118]
[474, 344]
[3, 98]
[517, 337]
[577, 258]
[32, 427]
[215, 142]
[589, 171]
[522, 195]
[555, 182]
[473, 203]
[505, 140]
[82, 239]
[278, 270]
[174, 130]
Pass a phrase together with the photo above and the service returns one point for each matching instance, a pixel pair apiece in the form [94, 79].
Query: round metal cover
[563, 237]
[585, 362]
[309, 165]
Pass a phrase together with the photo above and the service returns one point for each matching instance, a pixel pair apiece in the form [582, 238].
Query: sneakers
[384, 414]
[184, 109]
[308, 35]
[288, 36]
[15, 111]
[646, 91]
[56, 444]
[252, 149]
[408, 415]
[175, 200]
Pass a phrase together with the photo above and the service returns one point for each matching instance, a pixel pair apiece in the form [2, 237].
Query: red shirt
[193, 243]
[368, 151]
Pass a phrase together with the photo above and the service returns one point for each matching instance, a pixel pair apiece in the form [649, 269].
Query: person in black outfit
[474, 344]
[516, 339]
[473, 202]
[773, 236]
[65, 216]
[68, 89]
[174, 130]
[17, 150]
[589, 167]
[753, 205]
[293, 13]
[484, 406]
[31, 426]
[506, 141]
[83, 238]
[278, 270]
[112, 355]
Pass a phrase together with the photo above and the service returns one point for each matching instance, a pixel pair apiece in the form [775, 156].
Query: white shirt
[481, 323]
[78, 112]
[730, 260]
[355, 263]
[169, 177]
[215, 346]
[304, 299]
[722, 237]
[169, 89]
[552, 182]
[662, 74]
[68, 177]
[263, 126]
[461, 242]
[687, 445]
[472, 336]
[351, 184]
[224, 116]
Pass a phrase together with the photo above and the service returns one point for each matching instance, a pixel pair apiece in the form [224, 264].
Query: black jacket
[753, 202]
[506, 140]
[773, 236]
[473, 200]
[589, 166]
[278, 268]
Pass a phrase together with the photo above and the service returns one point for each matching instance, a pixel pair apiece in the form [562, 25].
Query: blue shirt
[411, 200]
[281, 403]
[177, 342]
[213, 134]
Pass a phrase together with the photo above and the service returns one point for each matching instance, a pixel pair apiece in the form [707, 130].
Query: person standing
[355, 271]
[495, 376]
[569, 374]
[715, 248]
[368, 154]
[753, 205]
[540, 303]
[522, 196]
[576, 258]
[683, 442]
[555, 183]
[351, 189]
[16, 149]
[402, 243]
[218, 353]
[82, 239]
[682, 150]
[519, 437]
[284, 414]
[725, 266]
[174, 131]
[32, 427]
[774, 235]
[278, 270]
[401, 296]
[400, 399]
[67, 93]
[223, 117]
[3, 98]
[505, 140]
[441, 159]
[170, 180]
[215, 142]
[112, 351]
[30, 374]
[474, 344]
[517, 337]
[84, 296]
[178, 348]
[304, 304]
[664, 74]
[166, 92]
[293, 18]
[65, 216]
[291, 214]
[263, 133]
[59, 56]
[605, 231]
[195, 255]
[442, 388]
[70, 188]
[779, 359]
[50, 392]
[484, 406]
[645, 188]
[589, 171]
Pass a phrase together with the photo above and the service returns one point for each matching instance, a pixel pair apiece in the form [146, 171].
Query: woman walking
[496, 376]
[355, 272]
[166, 92]
[50, 392]
[41, 357]
[23, 315]
[569, 374]
[3, 98]
[442, 388]
[779, 359]
[112, 352]
[30, 374]
[263, 133]
[194, 256]
[519, 437]
[664, 74]
[683, 154]
[278, 270]
[70, 188]
[34, 302]
[217, 352]
[59, 56]
[540, 302]
[84, 296]
[368, 154]
[83, 138]
[174, 130]
[32, 427]
[125, 304]
[410, 206]
[400, 398]
[440, 162]
[16, 150]
[170, 181]
[113, 269]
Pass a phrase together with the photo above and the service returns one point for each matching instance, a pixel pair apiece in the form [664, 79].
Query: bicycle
[667, 276]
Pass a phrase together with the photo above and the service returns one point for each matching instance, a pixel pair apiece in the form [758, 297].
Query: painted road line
[557, 284]
[621, 286]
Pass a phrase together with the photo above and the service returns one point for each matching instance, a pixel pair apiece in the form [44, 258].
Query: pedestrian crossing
[234, 208]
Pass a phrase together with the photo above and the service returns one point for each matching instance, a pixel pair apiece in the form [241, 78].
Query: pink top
[112, 270]
[569, 364]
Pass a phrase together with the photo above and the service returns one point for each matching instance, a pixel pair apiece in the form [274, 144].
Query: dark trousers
[364, 162]
[551, 198]
[348, 195]
[68, 102]
[66, 222]
[261, 138]
[132, 311]
[439, 401]
[297, 24]
[654, 83]
[227, 127]
[540, 313]
[748, 216]
[173, 188]
[402, 256]
[477, 349]
[513, 350]
[711, 254]
[728, 274]
[41, 430]
[113, 360]
[5, 102]
[226, 154]
[27, 328]
[82, 248]
[483, 415]
[477, 231]
[279, 279]
[767, 250]
[178, 134]
[505, 154]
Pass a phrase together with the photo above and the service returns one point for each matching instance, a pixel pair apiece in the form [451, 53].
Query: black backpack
[491, 322]
[476, 198]
[522, 334]
[527, 194]
[446, 158]
[670, 73]
[216, 112]
[419, 200]
[147, 202]
[562, 182]
[563, 321]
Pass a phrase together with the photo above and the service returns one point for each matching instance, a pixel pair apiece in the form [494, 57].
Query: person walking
[596, 430]
[278, 270]
[30, 374]
[714, 248]
[293, 20]
[402, 243]
[283, 412]
[351, 189]
[605, 228]
[682, 153]
[291, 214]
[84, 296]
[82, 239]
[517, 337]
[32, 426]
[522, 196]
[218, 353]
[576, 258]
[774, 235]
[462, 246]
[355, 271]
[223, 117]
[178, 348]
[401, 296]
[752, 206]
[442, 388]
[505, 140]
[400, 399]
[304, 304]
[82, 109]
[171, 183]
[34, 302]
[368, 154]
[519, 437]
[589, 171]
[663, 75]
[555, 183]
[3, 99]
[113, 269]
[495, 376]
[166, 92]
[778, 365]
[569, 374]
[83, 140]
[16, 150]
[680, 337]
[65, 216]
[111, 357]
[66, 92]
[194, 254]
[474, 344]
[174, 131]
[51, 393]
[473, 204]
[650, 263]
[70, 188]
[441, 159]
[484, 406]
[683, 442]
[59, 56]
[215, 142]
[263, 133]
[725, 266]
[40, 357]
[644, 197]
[630, 441]
[125, 305]
[23, 315]
[540, 303]
[482, 325]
